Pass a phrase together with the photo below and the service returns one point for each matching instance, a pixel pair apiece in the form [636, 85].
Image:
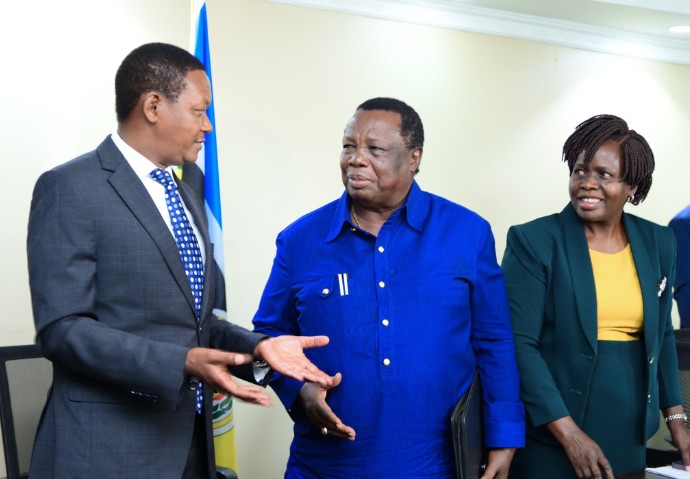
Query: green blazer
[554, 313]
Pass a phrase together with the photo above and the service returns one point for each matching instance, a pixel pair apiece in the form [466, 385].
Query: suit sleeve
[669, 387]
[62, 256]
[227, 336]
[527, 279]
[493, 345]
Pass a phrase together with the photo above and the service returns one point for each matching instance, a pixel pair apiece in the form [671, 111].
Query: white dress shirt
[143, 167]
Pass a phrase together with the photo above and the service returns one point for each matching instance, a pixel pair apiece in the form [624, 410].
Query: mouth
[356, 180]
[588, 202]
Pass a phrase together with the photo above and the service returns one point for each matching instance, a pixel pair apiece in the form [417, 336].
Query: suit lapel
[647, 270]
[580, 265]
[133, 193]
[582, 275]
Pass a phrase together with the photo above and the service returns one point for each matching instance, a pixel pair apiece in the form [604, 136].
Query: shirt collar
[415, 210]
[141, 165]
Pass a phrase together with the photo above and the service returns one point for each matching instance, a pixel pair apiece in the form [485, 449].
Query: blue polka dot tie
[187, 245]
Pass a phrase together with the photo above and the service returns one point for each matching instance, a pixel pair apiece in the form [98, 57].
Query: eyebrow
[367, 138]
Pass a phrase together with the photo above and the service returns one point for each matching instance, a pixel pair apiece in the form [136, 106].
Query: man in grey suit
[113, 306]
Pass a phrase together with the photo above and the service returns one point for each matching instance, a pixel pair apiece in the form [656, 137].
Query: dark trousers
[197, 459]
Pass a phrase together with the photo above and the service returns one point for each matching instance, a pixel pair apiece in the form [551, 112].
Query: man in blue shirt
[680, 225]
[407, 286]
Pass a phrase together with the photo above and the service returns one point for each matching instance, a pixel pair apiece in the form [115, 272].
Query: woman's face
[596, 190]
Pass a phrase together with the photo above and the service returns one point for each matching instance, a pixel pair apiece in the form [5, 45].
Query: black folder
[467, 424]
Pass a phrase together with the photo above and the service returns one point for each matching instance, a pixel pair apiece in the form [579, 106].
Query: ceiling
[637, 28]
[650, 17]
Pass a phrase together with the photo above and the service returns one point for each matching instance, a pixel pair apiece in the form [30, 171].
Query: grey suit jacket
[115, 314]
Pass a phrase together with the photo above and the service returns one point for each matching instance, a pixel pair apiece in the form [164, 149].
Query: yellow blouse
[619, 298]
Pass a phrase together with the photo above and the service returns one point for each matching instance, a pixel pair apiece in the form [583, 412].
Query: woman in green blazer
[590, 298]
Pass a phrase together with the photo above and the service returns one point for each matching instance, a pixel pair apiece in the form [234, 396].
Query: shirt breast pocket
[322, 304]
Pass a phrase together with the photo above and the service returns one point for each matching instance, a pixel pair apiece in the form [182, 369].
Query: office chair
[225, 473]
[25, 377]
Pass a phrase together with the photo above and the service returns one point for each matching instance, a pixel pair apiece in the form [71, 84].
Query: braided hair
[637, 158]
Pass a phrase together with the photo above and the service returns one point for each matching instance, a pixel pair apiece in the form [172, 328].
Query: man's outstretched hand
[285, 354]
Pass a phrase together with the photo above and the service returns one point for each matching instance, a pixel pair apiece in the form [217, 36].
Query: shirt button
[382, 284]
[384, 322]
[386, 362]
[381, 249]
[651, 361]
[325, 291]
[649, 399]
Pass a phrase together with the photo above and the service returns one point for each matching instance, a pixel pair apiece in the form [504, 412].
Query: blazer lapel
[647, 271]
[133, 193]
[580, 265]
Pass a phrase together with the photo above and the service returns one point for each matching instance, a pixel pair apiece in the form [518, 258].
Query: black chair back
[25, 378]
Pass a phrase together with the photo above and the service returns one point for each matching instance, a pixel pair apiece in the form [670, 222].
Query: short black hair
[411, 128]
[157, 67]
[638, 160]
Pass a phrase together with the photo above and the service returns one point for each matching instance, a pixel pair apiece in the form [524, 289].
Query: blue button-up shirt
[410, 313]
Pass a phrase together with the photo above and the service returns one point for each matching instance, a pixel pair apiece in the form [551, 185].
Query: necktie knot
[163, 177]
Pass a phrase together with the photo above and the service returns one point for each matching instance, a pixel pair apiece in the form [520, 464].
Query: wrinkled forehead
[373, 124]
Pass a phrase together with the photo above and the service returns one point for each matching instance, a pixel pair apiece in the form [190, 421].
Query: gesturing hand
[211, 367]
[312, 400]
[285, 354]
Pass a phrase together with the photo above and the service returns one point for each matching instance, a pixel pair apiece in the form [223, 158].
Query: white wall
[287, 79]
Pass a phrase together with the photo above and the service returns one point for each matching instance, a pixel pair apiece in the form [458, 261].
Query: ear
[151, 103]
[415, 159]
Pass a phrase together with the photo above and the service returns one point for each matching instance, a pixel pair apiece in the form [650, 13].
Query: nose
[206, 126]
[357, 158]
[589, 182]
